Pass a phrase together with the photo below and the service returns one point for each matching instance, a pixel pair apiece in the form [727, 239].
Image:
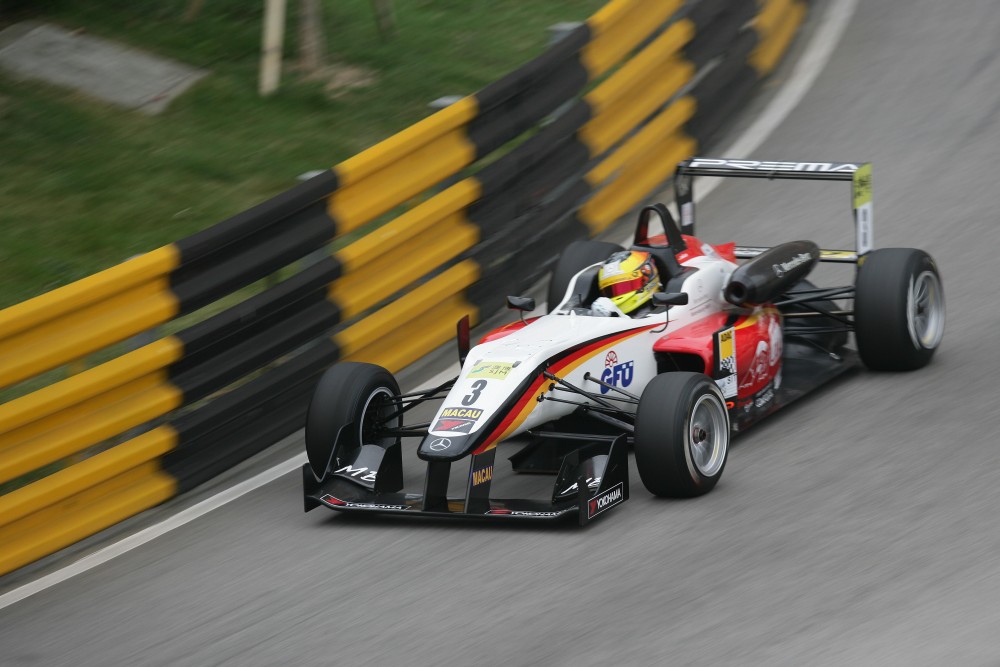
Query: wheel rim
[925, 310]
[378, 407]
[708, 435]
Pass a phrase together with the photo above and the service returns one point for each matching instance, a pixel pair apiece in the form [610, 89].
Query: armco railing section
[492, 187]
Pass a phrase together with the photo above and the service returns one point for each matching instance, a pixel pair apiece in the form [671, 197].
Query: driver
[627, 281]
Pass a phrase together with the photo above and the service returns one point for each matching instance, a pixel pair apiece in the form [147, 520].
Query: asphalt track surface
[858, 527]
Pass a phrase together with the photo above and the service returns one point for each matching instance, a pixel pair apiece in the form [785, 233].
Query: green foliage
[84, 185]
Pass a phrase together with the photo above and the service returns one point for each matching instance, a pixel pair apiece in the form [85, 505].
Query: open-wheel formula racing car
[723, 345]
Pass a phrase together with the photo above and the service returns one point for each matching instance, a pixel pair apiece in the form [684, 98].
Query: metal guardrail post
[557, 31]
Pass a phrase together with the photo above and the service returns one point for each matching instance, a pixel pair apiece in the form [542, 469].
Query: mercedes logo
[440, 444]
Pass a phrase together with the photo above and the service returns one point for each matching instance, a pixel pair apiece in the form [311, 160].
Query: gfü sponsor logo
[785, 267]
[616, 374]
[606, 500]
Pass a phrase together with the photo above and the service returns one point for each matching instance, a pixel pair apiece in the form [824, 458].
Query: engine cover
[771, 273]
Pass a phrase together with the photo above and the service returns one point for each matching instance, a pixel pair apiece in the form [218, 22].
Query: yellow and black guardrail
[597, 123]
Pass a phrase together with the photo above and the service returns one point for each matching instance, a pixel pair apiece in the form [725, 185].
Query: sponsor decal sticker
[777, 340]
[613, 267]
[727, 362]
[482, 476]
[687, 215]
[592, 483]
[616, 374]
[477, 388]
[727, 350]
[862, 185]
[337, 502]
[728, 386]
[863, 221]
[361, 473]
[503, 512]
[762, 165]
[764, 397]
[491, 370]
[440, 444]
[455, 425]
[606, 500]
[785, 267]
[838, 254]
[758, 367]
[464, 413]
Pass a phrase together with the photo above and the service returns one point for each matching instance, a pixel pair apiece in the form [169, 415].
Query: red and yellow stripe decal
[754, 317]
[563, 366]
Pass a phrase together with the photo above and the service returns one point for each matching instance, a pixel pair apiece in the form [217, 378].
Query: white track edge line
[814, 59]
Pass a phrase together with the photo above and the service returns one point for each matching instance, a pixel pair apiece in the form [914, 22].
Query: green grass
[84, 185]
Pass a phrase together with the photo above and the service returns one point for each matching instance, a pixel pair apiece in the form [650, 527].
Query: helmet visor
[623, 287]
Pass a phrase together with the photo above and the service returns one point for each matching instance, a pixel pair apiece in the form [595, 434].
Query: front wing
[590, 501]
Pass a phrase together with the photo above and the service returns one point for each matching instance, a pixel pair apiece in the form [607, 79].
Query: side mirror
[670, 298]
[462, 337]
[523, 303]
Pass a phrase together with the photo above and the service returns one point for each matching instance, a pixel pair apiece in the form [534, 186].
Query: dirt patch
[341, 79]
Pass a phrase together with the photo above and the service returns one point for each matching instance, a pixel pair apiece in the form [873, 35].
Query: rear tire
[681, 435]
[899, 309]
[347, 405]
[577, 256]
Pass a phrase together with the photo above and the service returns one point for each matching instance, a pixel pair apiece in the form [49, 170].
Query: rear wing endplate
[858, 173]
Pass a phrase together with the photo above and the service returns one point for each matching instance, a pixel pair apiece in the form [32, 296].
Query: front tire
[346, 411]
[898, 309]
[681, 435]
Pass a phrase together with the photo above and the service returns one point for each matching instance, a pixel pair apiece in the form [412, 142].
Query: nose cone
[445, 447]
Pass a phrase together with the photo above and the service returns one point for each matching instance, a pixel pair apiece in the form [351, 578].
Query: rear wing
[859, 174]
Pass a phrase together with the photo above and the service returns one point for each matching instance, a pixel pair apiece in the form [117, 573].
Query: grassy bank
[84, 185]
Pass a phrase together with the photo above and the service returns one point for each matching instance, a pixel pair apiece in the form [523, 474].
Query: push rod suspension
[607, 419]
[429, 392]
[791, 316]
[597, 408]
[582, 392]
[404, 432]
[610, 398]
[633, 397]
[820, 292]
[561, 435]
[421, 397]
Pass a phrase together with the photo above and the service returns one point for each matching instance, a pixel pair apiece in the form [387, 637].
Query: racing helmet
[629, 278]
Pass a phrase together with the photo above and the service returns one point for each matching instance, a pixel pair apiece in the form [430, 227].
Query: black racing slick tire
[577, 256]
[899, 309]
[681, 435]
[346, 410]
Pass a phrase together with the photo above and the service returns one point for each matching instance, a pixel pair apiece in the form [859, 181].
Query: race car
[731, 334]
